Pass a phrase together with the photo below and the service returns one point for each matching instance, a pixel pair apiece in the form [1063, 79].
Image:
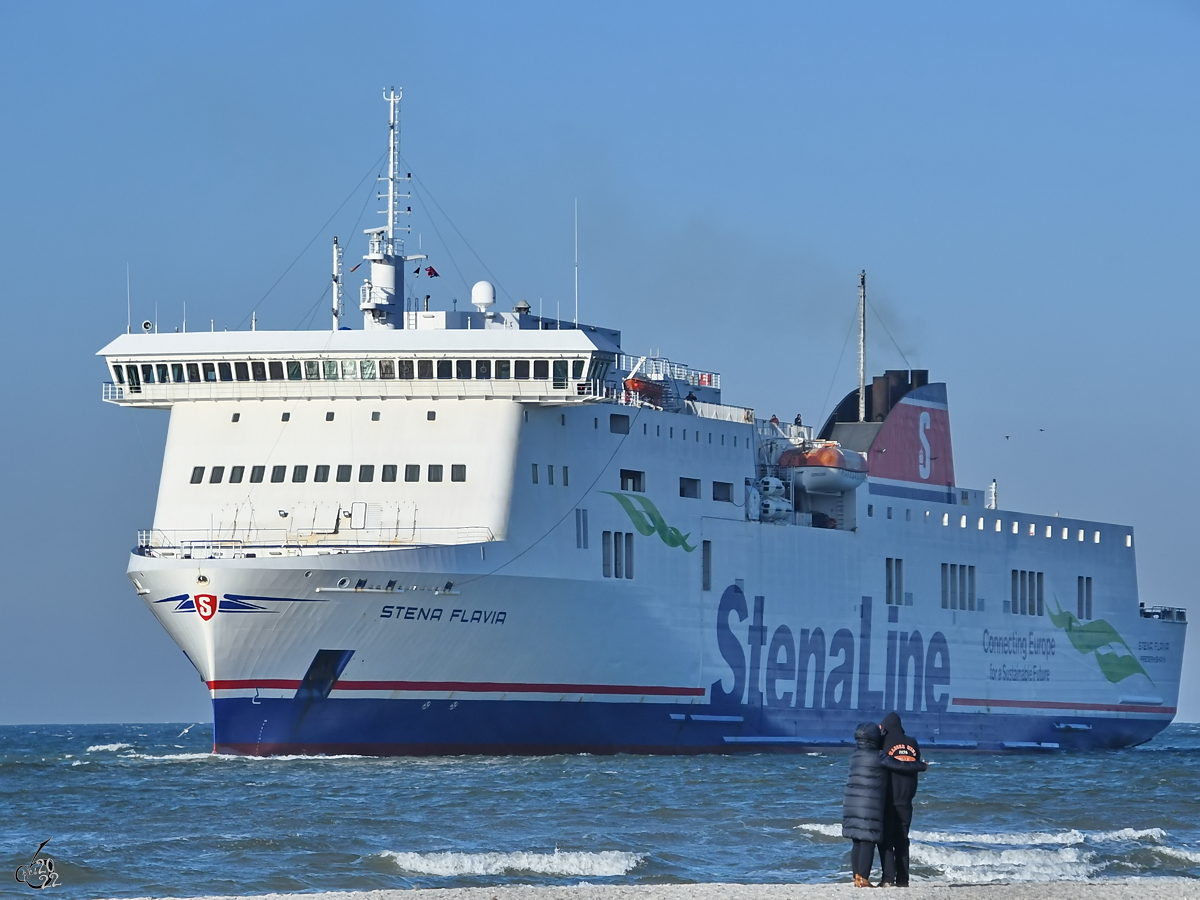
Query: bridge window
[349, 370]
[295, 371]
[218, 472]
[321, 474]
[193, 370]
[435, 472]
[405, 369]
[258, 370]
[483, 368]
[242, 370]
[197, 474]
[560, 374]
[147, 373]
[236, 473]
[425, 368]
[312, 369]
[226, 371]
[521, 369]
[366, 473]
[445, 369]
[343, 472]
[275, 367]
[331, 369]
[256, 474]
[462, 369]
[163, 377]
[577, 369]
[119, 374]
[366, 369]
[278, 473]
[299, 474]
[210, 371]
[387, 368]
[388, 473]
[135, 383]
[541, 369]
[412, 472]
[503, 369]
[177, 375]
[459, 473]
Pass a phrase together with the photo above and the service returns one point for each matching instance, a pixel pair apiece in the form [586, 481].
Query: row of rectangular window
[351, 369]
[1028, 593]
[894, 583]
[618, 423]
[366, 473]
[618, 554]
[566, 475]
[958, 587]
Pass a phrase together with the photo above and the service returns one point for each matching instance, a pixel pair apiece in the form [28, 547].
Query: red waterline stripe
[479, 687]
[1053, 704]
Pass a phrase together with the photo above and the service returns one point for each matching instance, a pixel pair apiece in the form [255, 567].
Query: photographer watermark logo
[39, 872]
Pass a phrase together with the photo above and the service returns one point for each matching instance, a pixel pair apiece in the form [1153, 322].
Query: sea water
[146, 810]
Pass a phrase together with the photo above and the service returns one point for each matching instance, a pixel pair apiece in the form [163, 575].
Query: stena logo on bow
[924, 462]
[206, 605]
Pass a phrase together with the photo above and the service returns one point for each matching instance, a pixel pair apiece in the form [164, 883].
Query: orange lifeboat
[825, 470]
[650, 390]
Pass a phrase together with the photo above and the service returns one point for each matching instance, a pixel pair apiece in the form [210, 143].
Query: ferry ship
[492, 532]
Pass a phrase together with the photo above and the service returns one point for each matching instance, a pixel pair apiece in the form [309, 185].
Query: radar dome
[483, 295]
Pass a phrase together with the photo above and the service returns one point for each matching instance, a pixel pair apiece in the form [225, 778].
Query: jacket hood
[868, 734]
[891, 724]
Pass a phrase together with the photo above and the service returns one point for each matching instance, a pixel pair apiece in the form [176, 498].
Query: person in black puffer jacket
[899, 810]
[866, 796]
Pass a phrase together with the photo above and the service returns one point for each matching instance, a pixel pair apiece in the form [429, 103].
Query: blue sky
[1019, 180]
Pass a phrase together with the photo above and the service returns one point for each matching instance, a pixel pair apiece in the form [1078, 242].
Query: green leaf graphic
[669, 534]
[1093, 637]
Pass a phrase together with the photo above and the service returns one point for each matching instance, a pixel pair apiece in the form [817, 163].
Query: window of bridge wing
[366, 369]
[119, 374]
[258, 369]
[387, 368]
[521, 369]
[445, 368]
[483, 368]
[541, 369]
[275, 369]
[462, 369]
[349, 370]
[163, 375]
[312, 369]
[404, 369]
[424, 368]
[210, 371]
[242, 370]
[177, 375]
[577, 369]
[147, 373]
[503, 369]
[225, 371]
[135, 381]
[331, 369]
[560, 374]
[193, 371]
[295, 370]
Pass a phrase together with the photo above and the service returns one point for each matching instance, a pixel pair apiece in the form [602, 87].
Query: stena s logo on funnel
[206, 605]
[924, 463]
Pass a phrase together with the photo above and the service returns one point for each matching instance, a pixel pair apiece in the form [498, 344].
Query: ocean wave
[561, 862]
[1179, 853]
[820, 828]
[187, 757]
[1072, 837]
[108, 748]
[1010, 864]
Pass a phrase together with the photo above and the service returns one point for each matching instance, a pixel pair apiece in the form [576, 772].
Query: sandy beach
[1107, 889]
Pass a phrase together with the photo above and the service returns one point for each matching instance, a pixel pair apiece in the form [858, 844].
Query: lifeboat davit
[825, 470]
[650, 390]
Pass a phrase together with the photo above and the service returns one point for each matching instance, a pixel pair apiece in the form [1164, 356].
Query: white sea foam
[820, 828]
[1072, 837]
[1179, 853]
[111, 748]
[1010, 864]
[560, 862]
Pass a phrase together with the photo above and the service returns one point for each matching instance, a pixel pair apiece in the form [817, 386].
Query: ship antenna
[862, 345]
[576, 262]
[128, 307]
[337, 284]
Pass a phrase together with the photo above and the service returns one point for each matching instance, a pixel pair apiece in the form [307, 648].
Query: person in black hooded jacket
[899, 810]
[865, 802]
